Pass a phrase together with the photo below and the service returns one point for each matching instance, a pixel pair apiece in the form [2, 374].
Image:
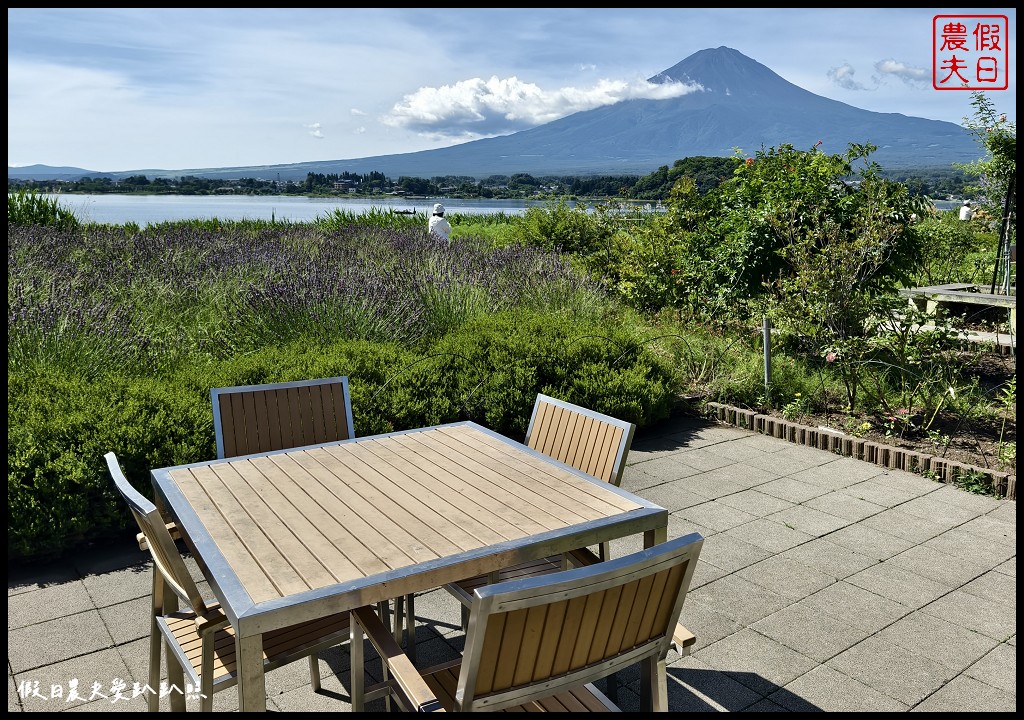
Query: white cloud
[904, 72]
[477, 108]
[314, 130]
[843, 77]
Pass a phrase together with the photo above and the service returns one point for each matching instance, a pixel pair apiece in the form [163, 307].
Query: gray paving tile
[675, 495]
[740, 599]
[796, 491]
[730, 553]
[704, 458]
[26, 577]
[747, 449]
[55, 640]
[995, 619]
[756, 503]
[844, 505]
[836, 474]
[827, 557]
[782, 463]
[705, 622]
[932, 508]
[882, 490]
[993, 530]
[945, 642]
[994, 585]
[963, 499]
[951, 571]
[1005, 511]
[704, 574]
[117, 586]
[892, 670]
[662, 468]
[79, 680]
[717, 484]
[998, 668]
[809, 632]
[756, 661]
[870, 542]
[46, 603]
[896, 583]
[965, 544]
[1007, 567]
[966, 694]
[775, 537]
[739, 477]
[695, 687]
[827, 690]
[128, 621]
[902, 524]
[808, 520]
[855, 605]
[787, 578]
[717, 516]
[764, 443]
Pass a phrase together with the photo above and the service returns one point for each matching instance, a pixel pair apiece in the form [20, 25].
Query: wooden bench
[933, 298]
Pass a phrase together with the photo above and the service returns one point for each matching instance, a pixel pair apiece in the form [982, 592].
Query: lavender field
[127, 300]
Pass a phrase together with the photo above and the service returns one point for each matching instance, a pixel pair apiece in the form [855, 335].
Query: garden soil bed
[959, 451]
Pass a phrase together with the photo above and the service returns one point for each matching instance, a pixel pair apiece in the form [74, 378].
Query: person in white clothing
[438, 225]
[966, 211]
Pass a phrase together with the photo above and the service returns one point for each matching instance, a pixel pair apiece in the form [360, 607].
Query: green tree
[997, 171]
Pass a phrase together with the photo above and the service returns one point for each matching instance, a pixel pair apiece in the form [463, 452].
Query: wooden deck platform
[936, 298]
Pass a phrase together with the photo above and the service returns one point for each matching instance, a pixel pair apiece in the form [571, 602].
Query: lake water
[144, 210]
[117, 209]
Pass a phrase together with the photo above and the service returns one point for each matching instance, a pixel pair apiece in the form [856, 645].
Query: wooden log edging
[1004, 485]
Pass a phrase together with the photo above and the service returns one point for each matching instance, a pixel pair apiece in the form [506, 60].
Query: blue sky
[131, 89]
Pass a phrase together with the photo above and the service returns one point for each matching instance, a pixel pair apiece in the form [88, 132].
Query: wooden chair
[250, 419]
[589, 441]
[539, 644]
[199, 638]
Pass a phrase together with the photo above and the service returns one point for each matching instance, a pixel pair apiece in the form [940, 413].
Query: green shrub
[27, 207]
[58, 490]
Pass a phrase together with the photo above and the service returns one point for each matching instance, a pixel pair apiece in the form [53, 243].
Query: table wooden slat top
[330, 527]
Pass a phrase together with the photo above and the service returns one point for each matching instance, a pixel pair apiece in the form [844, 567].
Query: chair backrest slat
[250, 419]
[589, 441]
[162, 547]
[529, 638]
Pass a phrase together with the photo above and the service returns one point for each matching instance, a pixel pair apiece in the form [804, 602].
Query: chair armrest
[172, 528]
[683, 640]
[213, 619]
[403, 673]
[583, 557]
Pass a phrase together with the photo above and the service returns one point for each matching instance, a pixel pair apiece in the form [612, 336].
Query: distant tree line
[706, 173]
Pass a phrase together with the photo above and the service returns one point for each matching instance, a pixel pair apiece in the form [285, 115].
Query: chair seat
[280, 647]
[443, 680]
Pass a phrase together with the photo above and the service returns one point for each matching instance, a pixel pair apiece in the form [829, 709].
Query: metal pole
[767, 355]
[1003, 250]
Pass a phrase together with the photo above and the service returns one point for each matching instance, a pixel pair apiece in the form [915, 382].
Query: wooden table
[294, 535]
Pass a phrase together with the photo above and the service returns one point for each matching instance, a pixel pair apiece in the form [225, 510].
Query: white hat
[966, 202]
[438, 209]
